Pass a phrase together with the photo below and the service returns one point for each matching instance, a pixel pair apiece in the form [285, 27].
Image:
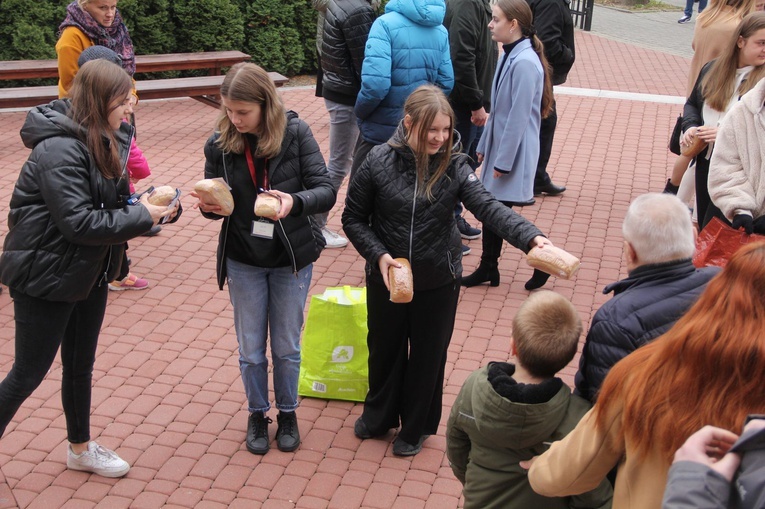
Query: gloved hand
[745, 221]
[759, 225]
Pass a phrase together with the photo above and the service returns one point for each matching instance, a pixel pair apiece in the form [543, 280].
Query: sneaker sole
[111, 475]
[465, 253]
[259, 452]
[288, 449]
[470, 237]
[123, 288]
[335, 246]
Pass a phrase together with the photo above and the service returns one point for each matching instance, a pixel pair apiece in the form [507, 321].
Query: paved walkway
[167, 393]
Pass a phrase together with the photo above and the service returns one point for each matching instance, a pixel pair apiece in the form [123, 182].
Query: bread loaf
[693, 149]
[401, 282]
[553, 260]
[162, 196]
[215, 192]
[267, 205]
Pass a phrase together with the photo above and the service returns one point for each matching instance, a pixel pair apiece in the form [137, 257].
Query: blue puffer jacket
[407, 47]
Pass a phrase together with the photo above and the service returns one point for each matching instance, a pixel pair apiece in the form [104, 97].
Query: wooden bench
[201, 88]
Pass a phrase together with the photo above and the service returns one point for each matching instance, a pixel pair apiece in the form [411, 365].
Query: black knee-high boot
[488, 269]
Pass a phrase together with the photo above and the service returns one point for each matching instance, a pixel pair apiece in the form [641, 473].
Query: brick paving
[167, 393]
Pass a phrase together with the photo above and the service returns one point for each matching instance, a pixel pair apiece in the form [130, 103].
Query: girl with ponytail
[521, 96]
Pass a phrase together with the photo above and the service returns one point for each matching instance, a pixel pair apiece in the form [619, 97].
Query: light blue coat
[510, 140]
[407, 47]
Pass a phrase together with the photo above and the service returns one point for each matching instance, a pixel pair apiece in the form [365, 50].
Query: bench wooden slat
[204, 88]
[213, 60]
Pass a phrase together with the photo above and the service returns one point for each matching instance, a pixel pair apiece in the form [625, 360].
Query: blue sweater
[407, 47]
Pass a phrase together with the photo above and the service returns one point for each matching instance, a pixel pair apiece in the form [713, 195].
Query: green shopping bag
[334, 349]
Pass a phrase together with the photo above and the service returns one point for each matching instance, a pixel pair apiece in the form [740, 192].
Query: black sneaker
[467, 231]
[684, 19]
[360, 430]
[287, 434]
[257, 433]
[401, 448]
[465, 250]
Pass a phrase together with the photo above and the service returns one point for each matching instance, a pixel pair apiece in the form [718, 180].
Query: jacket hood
[517, 425]
[428, 13]
[47, 121]
[755, 98]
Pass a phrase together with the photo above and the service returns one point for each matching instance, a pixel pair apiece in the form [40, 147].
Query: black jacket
[68, 224]
[384, 214]
[474, 54]
[299, 170]
[346, 27]
[645, 305]
[555, 28]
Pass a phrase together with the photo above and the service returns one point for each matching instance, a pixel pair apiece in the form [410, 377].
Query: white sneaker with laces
[333, 239]
[98, 460]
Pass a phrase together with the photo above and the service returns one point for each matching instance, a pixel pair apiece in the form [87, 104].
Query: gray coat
[510, 141]
[692, 485]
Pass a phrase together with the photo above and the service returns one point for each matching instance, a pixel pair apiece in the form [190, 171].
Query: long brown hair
[422, 106]
[707, 369]
[720, 10]
[248, 82]
[520, 11]
[717, 85]
[98, 88]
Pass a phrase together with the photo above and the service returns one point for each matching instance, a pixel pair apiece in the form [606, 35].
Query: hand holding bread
[214, 197]
[553, 260]
[267, 204]
[401, 281]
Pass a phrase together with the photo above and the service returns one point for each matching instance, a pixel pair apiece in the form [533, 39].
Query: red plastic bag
[718, 241]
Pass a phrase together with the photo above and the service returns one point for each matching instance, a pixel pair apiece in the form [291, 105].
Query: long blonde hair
[98, 88]
[520, 11]
[719, 10]
[422, 106]
[248, 82]
[717, 85]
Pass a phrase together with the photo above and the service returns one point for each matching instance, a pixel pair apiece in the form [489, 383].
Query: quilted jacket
[645, 305]
[346, 27]
[407, 47]
[384, 213]
[68, 224]
[299, 169]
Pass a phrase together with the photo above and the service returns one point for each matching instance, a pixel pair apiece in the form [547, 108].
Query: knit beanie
[98, 52]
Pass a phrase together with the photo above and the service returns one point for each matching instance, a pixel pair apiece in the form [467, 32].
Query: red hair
[708, 369]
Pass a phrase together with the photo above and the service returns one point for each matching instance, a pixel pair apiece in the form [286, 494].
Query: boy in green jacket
[508, 413]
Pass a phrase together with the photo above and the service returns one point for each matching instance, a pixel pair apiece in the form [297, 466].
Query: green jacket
[488, 435]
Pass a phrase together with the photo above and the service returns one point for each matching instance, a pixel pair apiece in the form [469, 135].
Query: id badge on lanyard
[261, 228]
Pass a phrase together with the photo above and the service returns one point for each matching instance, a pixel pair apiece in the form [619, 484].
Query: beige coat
[585, 456]
[708, 43]
[736, 173]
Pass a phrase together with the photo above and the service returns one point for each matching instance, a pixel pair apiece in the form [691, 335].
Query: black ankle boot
[538, 280]
[670, 188]
[481, 275]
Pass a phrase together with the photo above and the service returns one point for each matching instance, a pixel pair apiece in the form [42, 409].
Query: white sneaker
[98, 460]
[334, 240]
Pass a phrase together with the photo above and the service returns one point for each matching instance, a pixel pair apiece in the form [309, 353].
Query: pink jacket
[137, 165]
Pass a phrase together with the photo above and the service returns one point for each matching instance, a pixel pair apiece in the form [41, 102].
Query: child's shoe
[131, 282]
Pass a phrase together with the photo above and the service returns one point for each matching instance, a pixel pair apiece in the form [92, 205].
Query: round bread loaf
[267, 205]
[401, 282]
[162, 196]
[215, 192]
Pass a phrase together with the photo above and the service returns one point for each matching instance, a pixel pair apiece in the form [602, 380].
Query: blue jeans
[268, 300]
[689, 6]
[343, 133]
[41, 327]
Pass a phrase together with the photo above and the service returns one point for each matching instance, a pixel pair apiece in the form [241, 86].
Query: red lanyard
[251, 166]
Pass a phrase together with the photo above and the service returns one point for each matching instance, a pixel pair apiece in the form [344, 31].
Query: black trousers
[41, 327]
[546, 135]
[407, 355]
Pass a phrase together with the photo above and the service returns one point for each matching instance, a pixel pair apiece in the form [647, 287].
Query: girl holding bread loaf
[69, 222]
[271, 162]
[400, 204]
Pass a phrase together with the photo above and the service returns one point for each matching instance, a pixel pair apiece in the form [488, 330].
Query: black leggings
[41, 327]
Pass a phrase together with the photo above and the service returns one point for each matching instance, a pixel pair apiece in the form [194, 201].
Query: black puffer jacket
[384, 214]
[346, 27]
[299, 170]
[645, 305]
[555, 28]
[68, 224]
